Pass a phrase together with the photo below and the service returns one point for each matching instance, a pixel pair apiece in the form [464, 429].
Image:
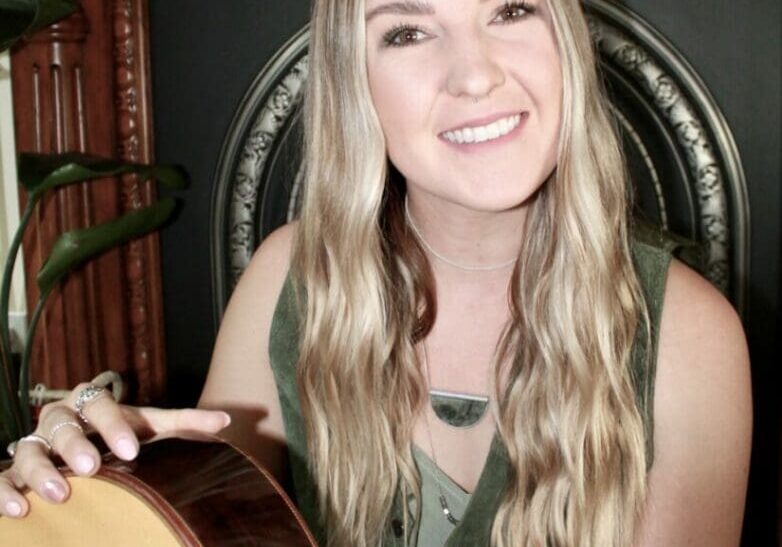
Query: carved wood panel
[83, 85]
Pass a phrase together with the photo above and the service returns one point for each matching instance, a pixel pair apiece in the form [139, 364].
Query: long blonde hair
[567, 415]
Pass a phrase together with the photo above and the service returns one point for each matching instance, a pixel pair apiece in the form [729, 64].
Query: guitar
[198, 491]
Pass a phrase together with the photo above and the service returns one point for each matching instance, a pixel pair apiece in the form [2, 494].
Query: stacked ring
[60, 425]
[33, 437]
[85, 396]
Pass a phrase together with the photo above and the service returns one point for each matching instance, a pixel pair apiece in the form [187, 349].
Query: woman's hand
[120, 426]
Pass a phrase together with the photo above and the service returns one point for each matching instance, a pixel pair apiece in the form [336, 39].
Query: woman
[464, 229]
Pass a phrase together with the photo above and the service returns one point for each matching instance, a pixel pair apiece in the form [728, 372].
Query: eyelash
[390, 38]
[511, 7]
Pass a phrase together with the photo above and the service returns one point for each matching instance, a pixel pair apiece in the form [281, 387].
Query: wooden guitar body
[176, 493]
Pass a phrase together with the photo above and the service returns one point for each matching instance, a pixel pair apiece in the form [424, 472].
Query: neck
[463, 241]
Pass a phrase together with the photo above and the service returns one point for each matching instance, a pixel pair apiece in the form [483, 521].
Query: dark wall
[736, 48]
[206, 53]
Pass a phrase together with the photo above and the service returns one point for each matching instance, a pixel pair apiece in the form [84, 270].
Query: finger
[12, 503]
[108, 419]
[193, 419]
[70, 400]
[34, 468]
[68, 440]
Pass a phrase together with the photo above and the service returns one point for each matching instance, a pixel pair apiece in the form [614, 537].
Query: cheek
[554, 85]
[550, 105]
[401, 96]
[540, 74]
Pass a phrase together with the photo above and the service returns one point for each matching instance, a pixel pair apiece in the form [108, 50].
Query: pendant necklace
[443, 501]
[462, 410]
[442, 402]
[482, 401]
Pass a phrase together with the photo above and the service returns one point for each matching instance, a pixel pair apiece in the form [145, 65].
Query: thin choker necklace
[465, 267]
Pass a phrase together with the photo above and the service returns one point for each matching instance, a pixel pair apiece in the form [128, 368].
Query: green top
[476, 511]
[434, 528]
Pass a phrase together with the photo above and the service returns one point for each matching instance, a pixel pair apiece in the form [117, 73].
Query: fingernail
[13, 509]
[54, 491]
[84, 464]
[126, 449]
[227, 419]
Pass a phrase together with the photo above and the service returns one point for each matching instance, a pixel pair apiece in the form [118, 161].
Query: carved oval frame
[710, 161]
[683, 100]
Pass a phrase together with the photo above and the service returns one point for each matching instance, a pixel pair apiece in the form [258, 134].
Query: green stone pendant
[458, 409]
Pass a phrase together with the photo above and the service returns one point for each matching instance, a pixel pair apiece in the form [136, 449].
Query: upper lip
[485, 120]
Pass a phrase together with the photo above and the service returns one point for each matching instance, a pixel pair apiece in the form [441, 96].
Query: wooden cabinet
[83, 85]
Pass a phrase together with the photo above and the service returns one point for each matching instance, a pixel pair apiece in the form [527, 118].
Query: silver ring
[33, 437]
[87, 395]
[109, 377]
[60, 425]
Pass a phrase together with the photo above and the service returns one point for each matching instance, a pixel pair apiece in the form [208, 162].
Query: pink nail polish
[126, 449]
[13, 509]
[54, 491]
[84, 464]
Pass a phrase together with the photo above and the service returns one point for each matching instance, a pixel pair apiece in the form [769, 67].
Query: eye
[512, 12]
[403, 35]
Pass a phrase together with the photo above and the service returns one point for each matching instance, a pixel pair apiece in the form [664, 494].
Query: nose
[473, 72]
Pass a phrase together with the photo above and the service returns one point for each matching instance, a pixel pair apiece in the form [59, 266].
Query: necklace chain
[443, 501]
[465, 267]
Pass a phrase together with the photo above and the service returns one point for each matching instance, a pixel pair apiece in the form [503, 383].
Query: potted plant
[42, 173]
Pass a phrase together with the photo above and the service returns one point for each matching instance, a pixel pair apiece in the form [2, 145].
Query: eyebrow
[404, 7]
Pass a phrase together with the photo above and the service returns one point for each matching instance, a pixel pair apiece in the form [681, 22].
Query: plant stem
[12, 418]
[12, 411]
[10, 262]
[24, 369]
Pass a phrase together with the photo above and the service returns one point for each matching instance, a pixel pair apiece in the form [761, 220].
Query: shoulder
[271, 260]
[245, 325]
[254, 298]
[240, 378]
[702, 417]
[251, 307]
[701, 336]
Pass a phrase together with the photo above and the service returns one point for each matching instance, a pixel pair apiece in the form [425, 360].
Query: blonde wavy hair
[567, 414]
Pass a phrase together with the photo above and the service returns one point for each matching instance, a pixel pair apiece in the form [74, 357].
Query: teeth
[495, 130]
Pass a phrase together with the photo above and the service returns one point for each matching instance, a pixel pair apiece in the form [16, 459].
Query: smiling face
[468, 93]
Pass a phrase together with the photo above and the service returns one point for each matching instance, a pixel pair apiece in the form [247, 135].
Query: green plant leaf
[41, 172]
[78, 246]
[20, 18]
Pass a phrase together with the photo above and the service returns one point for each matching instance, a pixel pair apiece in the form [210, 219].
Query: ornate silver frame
[238, 183]
[709, 161]
[713, 159]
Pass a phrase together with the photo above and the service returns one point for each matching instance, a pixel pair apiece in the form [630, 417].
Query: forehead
[374, 8]
[412, 6]
[415, 3]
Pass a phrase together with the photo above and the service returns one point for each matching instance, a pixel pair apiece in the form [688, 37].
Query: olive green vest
[651, 257]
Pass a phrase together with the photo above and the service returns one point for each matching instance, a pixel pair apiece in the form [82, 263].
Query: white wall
[9, 200]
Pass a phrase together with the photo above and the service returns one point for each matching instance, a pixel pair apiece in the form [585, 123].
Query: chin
[501, 196]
